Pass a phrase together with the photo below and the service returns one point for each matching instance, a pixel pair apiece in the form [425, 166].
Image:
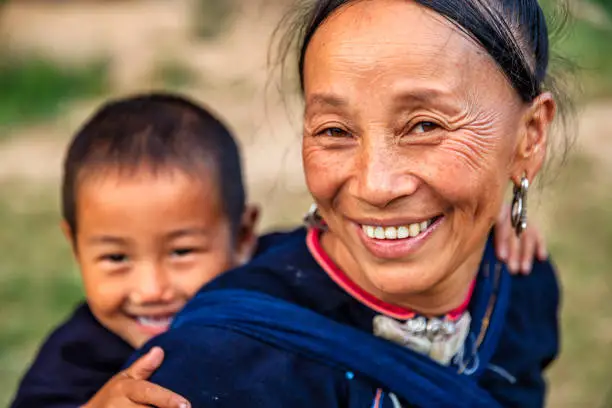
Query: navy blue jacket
[220, 357]
[81, 355]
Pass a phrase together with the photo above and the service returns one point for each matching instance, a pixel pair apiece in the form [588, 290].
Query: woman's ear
[530, 153]
[246, 241]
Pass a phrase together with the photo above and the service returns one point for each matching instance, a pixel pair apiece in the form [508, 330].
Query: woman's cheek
[461, 175]
[326, 170]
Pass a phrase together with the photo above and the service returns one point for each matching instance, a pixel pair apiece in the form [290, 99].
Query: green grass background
[39, 284]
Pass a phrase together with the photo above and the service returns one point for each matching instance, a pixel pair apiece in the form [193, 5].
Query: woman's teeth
[401, 232]
[151, 321]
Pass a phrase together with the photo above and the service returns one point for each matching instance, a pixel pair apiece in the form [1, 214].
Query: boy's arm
[53, 379]
[130, 388]
[518, 253]
[80, 359]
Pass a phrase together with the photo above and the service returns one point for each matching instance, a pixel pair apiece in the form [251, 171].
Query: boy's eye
[180, 252]
[115, 258]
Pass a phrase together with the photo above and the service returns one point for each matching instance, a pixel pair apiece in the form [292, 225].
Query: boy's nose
[152, 286]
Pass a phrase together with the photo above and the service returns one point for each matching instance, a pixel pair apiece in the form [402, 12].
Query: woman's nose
[383, 175]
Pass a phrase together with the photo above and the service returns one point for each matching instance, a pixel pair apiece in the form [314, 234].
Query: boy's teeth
[155, 321]
[391, 233]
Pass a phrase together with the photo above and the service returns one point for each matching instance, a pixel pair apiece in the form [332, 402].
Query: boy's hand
[129, 388]
[518, 252]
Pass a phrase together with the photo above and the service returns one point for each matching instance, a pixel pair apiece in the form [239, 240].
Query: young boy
[154, 207]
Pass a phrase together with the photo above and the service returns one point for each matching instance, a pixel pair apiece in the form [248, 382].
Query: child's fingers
[503, 233]
[149, 394]
[146, 365]
[541, 250]
[514, 254]
[528, 248]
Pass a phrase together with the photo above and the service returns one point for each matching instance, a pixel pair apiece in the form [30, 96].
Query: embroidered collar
[313, 241]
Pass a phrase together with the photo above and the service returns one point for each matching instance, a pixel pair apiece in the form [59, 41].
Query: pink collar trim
[336, 274]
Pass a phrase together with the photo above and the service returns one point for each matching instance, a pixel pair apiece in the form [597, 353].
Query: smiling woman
[434, 142]
[418, 116]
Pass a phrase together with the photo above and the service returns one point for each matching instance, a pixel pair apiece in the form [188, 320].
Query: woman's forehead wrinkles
[372, 60]
[432, 64]
[365, 37]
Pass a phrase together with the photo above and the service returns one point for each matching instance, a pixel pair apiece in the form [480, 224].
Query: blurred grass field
[39, 284]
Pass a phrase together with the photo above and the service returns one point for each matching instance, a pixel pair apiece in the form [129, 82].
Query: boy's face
[147, 242]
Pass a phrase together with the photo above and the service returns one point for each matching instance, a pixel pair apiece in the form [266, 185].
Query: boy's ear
[67, 231]
[247, 236]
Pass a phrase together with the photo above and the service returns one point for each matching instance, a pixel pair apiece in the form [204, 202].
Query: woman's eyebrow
[441, 99]
[322, 100]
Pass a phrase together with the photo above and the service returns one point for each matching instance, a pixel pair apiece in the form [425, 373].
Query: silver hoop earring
[313, 219]
[519, 206]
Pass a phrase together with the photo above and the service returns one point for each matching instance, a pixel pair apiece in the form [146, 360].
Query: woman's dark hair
[514, 33]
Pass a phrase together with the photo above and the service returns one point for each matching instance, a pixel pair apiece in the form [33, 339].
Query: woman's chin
[393, 283]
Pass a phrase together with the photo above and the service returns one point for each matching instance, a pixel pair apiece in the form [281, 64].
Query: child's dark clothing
[80, 356]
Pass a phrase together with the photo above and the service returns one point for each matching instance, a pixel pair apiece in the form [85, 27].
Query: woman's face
[411, 135]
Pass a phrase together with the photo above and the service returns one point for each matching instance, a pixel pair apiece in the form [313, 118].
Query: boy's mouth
[155, 321]
[154, 325]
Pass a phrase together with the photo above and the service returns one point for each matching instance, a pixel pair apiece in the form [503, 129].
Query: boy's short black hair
[159, 130]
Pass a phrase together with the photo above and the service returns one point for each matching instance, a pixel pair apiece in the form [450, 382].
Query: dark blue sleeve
[530, 340]
[220, 368]
[74, 362]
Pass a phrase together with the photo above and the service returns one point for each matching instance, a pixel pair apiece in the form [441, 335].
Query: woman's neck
[445, 296]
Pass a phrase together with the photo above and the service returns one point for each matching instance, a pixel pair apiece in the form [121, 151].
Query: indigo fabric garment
[314, 347]
[75, 361]
[81, 355]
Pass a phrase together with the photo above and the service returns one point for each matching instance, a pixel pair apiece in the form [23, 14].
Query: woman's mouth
[397, 241]
[398, 232]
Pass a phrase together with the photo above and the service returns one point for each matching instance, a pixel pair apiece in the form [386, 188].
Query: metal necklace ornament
[439, 338]
[431, 328]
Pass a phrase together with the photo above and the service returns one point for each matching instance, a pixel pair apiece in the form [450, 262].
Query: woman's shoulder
[222, 368]
[533, 310]
[541, 287]
[529, 341]
[284, 270]
[278, 239]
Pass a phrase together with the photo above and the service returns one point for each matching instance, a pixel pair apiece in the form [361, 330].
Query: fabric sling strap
[287, 326]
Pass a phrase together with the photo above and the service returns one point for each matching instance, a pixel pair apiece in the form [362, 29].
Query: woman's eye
[115, 258]
[424, 127]
[333, 132]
